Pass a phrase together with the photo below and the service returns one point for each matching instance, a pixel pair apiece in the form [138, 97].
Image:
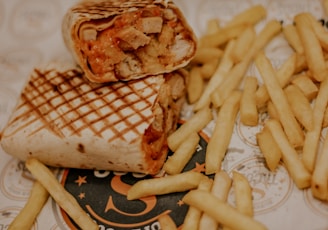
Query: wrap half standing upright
[116, 40]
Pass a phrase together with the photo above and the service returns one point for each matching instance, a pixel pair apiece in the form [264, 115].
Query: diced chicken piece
[89, 34]
[151, 25]
[135, 38]
[167, 35]
[130, 65]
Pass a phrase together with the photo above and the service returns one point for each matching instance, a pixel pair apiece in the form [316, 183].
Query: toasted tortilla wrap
[64, 120]
[115, 40]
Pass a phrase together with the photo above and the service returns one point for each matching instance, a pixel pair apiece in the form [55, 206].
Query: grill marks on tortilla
[68, 105]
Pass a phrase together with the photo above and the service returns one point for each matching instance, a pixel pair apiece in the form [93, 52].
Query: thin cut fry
[248, 109]
[292, 128]
[306, 85]
[164, 185]
[198, 121]
[221, 211]
[192, 219]
[272, 111]
[212, 26]
[272, 28]
[250, 16]
[220, 139]
[319, 184]
[293, 38]
[312, 48]
[312, 137]
[175, 163]
[26, 217]
[243, 42]
[283, 74]
[300, 106]
[63, 198]
[243, 194]
[195, 85]
[220, 189]
[300, 175]
[205, 54]
[218, 77]
[208, 69]
[166, 222]
[269, 148]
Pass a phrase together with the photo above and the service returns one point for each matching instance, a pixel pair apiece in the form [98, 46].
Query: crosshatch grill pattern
[67, 105]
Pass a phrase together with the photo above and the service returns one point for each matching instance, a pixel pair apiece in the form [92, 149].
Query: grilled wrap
[64, 120]
[115, 40]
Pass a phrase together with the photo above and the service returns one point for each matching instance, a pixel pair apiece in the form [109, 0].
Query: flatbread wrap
[64, 120]
[116, 40]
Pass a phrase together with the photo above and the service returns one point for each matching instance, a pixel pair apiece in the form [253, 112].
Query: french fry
[292, 128]
[218, 77]
[198, 121]
[325, 119]
[243, 42]
[312, 48]
[208, 69]
[306, 85]
[251, 16]
[312, 137]
[212, 26]
[192, 219]
[175, 163]
[221, 211]
[222, 36]
[269, 148]
[166, 222]
[272, 111]
[205, 54]
[300, 106]
[271, 29]
[243, 194]
[63, 198]
[319, 31]
[283, 74]
[293, 38]
[248, 109]
[26, 217]
[319, 183]
[301, 64]
[164, 185]
[300, 175]
[220, 189]
[195, 85]
[220, 139]
[325, 6]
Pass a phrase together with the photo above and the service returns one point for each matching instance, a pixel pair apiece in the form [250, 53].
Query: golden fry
[220, 139]
[63, 198]
[208, 69]
[26, 217]
[243, 194]
[283, 74]
[218, 77]
[312, 137]
[292, 128]
[166, 222]
[192, 219]
[164, 185]
[306, 85]
[195, 85]
[312, 48]
[221, 211]
[220, 189]
[251, 16]
[293, 38]
[269, 148]
[300, 175]
[175, 163]
[248, 109]
[212, 26]
[205, 54]
[196, 123]
[272, 111]
[243, 42]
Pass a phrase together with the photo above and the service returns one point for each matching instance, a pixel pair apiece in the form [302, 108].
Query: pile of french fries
[295, 97]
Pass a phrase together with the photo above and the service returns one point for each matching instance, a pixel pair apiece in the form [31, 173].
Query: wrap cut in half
[64, 120]
[116, 40]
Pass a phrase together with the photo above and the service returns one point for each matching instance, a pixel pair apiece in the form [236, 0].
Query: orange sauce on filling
[104, 52]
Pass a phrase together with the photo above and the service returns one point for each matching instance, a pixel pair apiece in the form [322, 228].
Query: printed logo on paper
[16, 181]
[270, 189]
[102, 194]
